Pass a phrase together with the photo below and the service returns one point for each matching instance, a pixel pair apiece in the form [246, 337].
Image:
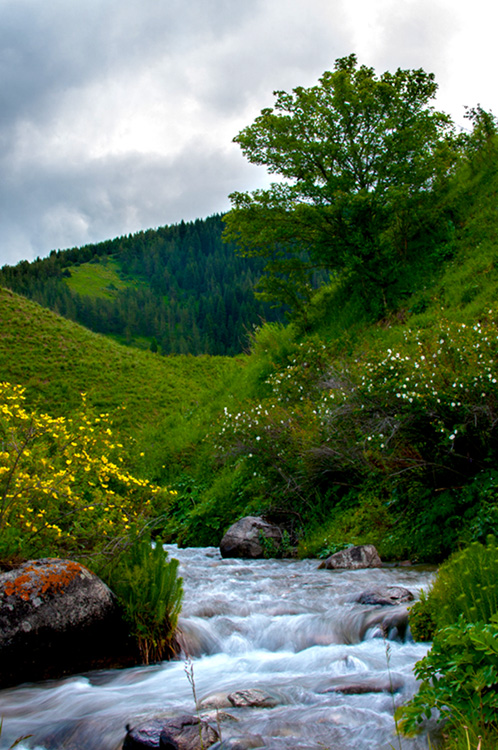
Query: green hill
[56, 360]
[178, 289]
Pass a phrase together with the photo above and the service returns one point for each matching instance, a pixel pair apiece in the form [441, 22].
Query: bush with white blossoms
[427, 408]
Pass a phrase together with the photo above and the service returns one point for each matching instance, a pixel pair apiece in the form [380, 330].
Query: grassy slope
[56, 360]
[101, 279]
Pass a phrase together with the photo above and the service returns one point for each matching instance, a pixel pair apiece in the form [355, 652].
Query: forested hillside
[178, 289]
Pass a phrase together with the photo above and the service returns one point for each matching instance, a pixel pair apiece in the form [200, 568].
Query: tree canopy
[359, 158]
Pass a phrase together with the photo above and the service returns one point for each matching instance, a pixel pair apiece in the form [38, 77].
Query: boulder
[57, 618]
[253, 698]
[385, 596]
[353, 558]
[243, 538]
[183, 732]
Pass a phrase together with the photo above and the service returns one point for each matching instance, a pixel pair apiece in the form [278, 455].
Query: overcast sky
[118, 115]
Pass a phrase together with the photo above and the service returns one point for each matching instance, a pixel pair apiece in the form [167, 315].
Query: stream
[280, 626]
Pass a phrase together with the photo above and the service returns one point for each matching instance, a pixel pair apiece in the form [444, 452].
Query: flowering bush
[418, 421]
[63, 486]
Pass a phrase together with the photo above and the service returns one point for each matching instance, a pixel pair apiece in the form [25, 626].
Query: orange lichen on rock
[35, 582]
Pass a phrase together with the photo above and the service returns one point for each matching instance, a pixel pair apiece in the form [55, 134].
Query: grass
[56, 360]
[98, 280]
[162, 406]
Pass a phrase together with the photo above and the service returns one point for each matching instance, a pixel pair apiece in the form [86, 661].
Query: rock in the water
[56, 618]
[353, 558]
[214, 701]
[392, 623]
[386, 595]
[247, 742]
[252, 697]
[179, 733]
[243, 538]
[349, 686]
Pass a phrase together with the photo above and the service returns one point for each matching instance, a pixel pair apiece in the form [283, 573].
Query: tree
[360, 160]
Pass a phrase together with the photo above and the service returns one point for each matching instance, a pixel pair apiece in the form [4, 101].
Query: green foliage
[273, 549]
[460, 672]
[422, 618]
[466, 585]
[365, 162]
[459, 678]
[150, 592]
[230, 495]
[63, 489]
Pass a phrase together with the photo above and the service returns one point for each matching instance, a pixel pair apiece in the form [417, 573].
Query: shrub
[63, 486]
[422, 619]
[151, 593]
[459, 678]
[460, 672]
[466, 585]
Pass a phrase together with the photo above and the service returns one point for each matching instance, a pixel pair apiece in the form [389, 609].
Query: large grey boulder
[56, 618]
[243, 538]
[353, 558]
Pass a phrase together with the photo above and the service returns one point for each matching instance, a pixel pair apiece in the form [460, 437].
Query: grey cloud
[81, 80]
[51, 46]
[113, 196]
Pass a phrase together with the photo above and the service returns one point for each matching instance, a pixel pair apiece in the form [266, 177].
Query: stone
[392, 623]
[185, 732]
[386, 596]
[349, 686]
[57, 618]
[243, 538]
[253, 698]
[353, 558]
[214, 701]
[247, 742]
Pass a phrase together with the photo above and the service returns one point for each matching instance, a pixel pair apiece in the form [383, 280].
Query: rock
[184, 732]
[56, 618]
[353, 558]
[214, 701]
[243, 538]
[392, 624]
[347, 686]
[247, 742]
[386, 595]
[252, 698]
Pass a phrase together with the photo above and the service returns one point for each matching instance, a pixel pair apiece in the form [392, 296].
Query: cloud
[118, 115]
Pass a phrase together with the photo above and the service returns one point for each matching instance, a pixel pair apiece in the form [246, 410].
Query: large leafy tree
[362, 161]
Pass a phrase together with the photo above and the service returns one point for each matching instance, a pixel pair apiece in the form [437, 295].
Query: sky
[119, 115]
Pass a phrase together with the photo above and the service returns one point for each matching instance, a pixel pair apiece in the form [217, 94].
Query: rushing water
[282, 627]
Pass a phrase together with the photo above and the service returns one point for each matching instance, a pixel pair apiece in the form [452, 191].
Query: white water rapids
[280, 626]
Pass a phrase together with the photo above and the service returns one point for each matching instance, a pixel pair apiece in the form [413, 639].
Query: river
[280, 626]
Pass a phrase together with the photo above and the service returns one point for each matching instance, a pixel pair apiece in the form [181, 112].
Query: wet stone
[360, 687]
[184, 732]
[252, 698]
[353, 558]
[385, 596]
[240, 743]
